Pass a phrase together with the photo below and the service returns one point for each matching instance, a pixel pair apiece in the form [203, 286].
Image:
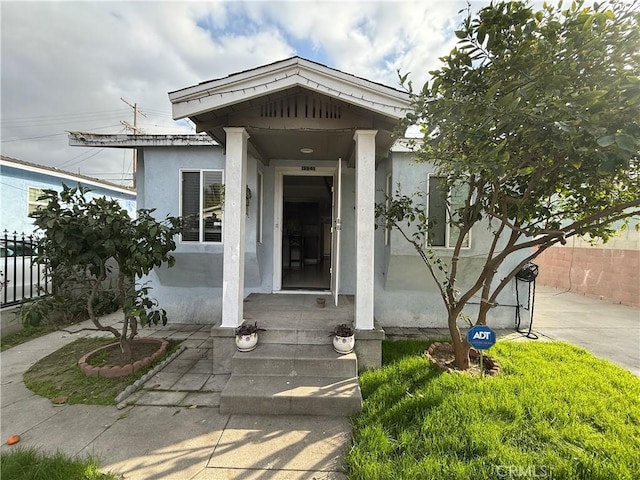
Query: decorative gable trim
[294, 72]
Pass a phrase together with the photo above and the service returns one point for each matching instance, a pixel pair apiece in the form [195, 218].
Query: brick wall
[611, 274]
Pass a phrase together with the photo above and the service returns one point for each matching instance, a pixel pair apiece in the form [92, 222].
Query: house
[24, 182]
[301, 153]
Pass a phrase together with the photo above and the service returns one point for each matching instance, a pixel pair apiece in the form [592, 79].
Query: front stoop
[299, 379]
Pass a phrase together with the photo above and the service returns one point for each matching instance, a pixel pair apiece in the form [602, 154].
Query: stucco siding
[406, 294]
[191, 290]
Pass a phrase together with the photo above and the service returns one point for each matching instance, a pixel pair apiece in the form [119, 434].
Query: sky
[67, 65]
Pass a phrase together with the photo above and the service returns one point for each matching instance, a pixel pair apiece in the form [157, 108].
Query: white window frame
[201, 171]
[447, 231]
[35, 203]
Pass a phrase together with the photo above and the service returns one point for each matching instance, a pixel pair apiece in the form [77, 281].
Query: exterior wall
[191, 291]
[608, 271]
[405, 294]
[14, 195]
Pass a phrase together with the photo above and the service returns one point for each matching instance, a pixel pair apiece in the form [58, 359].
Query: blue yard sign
[481, 337]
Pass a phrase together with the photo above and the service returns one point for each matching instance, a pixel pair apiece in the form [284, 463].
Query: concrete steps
[293, 378]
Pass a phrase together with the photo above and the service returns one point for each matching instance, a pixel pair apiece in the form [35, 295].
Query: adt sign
[481, 337]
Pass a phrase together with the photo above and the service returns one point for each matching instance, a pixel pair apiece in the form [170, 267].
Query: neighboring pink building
[608, 271]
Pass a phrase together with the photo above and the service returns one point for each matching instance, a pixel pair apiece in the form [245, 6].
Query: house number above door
[307, 169]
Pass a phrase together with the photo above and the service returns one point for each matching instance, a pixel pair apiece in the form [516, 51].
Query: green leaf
[606, 141]
[626, 142]
[461, 34]
[491, 93]
[482, 33]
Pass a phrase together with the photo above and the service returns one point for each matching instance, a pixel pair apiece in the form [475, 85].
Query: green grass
[58, 375]
[27, 333]
[555, 412]
[29, 464]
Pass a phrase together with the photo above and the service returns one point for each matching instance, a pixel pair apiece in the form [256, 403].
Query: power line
[32, 138]
[67, 165]
[51, 135]
[59, 116]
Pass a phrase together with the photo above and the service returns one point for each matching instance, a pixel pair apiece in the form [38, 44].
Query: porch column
[235, 180]
[365, 226]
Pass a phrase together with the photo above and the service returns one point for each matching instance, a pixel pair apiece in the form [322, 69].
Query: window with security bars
[33, 193]
[202, 198]
[442, 203]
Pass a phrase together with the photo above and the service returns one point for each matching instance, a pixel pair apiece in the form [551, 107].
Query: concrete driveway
[607, 330]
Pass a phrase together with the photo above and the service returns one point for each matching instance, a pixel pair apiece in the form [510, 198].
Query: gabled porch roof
[316, 107]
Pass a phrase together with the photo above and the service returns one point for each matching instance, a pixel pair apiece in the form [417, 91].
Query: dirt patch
[108, 361]
[112, 354]
[442, 355]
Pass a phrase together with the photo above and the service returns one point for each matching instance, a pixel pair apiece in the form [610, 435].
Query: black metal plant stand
[528, 275]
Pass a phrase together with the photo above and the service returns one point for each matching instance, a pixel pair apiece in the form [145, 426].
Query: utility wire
[35, 117]
[52, 135]
[67, 165]
[33, 138]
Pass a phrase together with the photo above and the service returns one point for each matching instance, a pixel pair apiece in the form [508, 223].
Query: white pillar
[235, 180]
[365, 226]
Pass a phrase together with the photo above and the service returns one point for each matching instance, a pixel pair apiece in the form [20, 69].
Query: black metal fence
[21, 276]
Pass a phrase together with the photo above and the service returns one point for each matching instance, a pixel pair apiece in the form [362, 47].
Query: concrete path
[607, 330]
[175, 430]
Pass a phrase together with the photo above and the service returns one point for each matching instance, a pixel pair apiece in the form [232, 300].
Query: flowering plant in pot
[247, 336]
[343, 338]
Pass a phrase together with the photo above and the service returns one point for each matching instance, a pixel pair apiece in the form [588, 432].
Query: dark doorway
[306, 236]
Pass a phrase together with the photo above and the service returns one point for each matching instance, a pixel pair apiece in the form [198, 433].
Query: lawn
[27, 333]
[58, 375]
[30, 464]
[555, 412]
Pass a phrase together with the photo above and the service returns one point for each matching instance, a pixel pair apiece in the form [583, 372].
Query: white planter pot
[246, 343]
[343, 345]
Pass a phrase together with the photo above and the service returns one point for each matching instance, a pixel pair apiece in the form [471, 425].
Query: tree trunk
[125, 346]
[460, 346]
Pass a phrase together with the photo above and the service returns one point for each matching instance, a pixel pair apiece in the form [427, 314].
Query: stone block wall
[611, 274]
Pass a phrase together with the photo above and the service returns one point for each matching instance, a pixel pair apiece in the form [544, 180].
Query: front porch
[294, 369]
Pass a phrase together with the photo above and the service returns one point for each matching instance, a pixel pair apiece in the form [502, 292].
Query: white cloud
[63, 59]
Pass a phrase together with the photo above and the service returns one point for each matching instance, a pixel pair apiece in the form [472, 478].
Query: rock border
[113, 371]
[490, 365]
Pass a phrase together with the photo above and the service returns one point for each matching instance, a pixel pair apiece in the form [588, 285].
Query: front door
[304, 233]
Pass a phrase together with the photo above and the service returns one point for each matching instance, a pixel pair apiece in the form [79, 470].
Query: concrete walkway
[607, 330]
[175, 430]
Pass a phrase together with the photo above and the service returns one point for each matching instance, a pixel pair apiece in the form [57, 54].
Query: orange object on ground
[13, 439]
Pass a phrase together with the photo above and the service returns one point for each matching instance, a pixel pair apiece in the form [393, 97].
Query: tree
[89, 236]
[535, 118]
